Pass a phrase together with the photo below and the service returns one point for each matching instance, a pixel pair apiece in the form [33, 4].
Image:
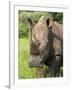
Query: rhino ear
[49, 22]
[30, 22]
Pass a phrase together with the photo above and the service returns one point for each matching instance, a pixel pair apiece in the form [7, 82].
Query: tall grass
[23, 60]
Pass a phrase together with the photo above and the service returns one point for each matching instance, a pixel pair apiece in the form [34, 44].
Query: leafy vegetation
[57, 17]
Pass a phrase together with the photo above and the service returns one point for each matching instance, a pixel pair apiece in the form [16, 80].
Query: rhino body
[46, 45]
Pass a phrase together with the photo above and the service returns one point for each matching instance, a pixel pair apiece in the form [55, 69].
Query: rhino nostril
[41, 62]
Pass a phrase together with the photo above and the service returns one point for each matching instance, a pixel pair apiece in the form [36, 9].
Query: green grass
[23, 60]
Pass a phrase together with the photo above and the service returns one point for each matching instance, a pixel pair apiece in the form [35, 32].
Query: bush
[58, 17]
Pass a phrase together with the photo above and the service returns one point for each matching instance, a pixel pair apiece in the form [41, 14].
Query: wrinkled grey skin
[46, 45]
[39, 40]
[35, 61]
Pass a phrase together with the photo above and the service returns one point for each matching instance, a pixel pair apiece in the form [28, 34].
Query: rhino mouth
[35, 61]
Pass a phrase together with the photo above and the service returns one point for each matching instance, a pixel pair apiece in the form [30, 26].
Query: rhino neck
[48, 52]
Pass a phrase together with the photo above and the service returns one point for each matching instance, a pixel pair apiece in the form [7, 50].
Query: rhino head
[38, 40]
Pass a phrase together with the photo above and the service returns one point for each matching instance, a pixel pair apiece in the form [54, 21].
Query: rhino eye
[47, 21]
